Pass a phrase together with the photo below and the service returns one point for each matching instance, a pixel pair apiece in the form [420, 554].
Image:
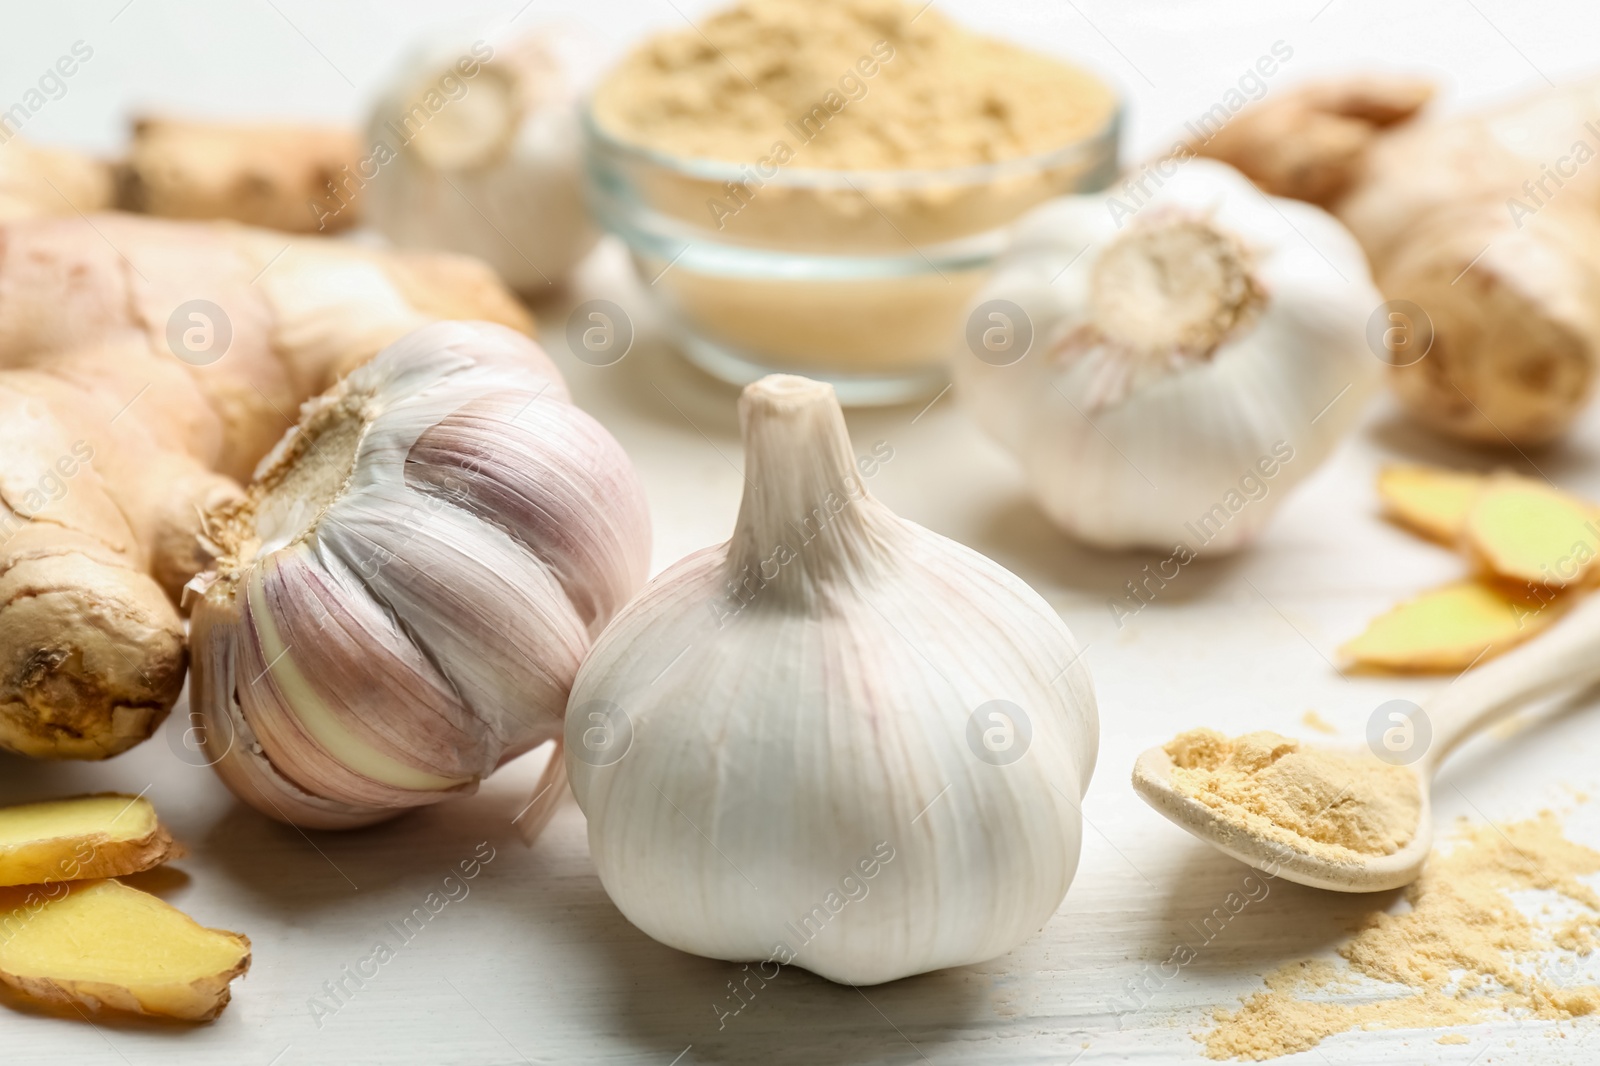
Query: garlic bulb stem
[805, 518]
[1173, 282]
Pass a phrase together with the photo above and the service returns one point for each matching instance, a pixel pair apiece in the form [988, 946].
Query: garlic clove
[528, 465]
[218, 642]
[472, 597]
[334, 653]
[773, 713]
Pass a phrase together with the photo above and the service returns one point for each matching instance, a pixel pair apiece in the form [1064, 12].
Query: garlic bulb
[402, 599]
[839, 739]
[1166, 378]
[477, 150]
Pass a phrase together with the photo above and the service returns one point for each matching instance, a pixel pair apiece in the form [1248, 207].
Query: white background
[536, 965]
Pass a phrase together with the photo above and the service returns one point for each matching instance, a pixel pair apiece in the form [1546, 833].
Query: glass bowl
[857, 277]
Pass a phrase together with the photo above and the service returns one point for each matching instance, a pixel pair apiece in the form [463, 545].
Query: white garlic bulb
[1166, 378]
[476, 149]
[838, 740]
[401, 600]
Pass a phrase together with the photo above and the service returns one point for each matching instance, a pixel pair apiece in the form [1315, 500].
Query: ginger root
[1430, 500]
[145, 367]
[1451, 628]
[1487, 221]
[1517, 528]
[1532, 544]
[40, 182]
[294, 178]
[103, 945]
[1310, 143]
[106, 835]
[1527, 531]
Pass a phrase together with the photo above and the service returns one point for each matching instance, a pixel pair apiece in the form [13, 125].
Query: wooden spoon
[1563, 660]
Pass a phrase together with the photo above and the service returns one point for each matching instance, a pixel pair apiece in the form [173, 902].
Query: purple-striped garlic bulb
[401, 601]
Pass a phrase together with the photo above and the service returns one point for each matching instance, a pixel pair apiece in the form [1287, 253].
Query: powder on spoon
[1325, 803]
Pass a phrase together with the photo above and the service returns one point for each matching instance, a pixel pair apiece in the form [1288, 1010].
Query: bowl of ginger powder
[820, 186]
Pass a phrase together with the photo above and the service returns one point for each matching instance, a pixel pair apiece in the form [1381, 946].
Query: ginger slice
[1430, 500]
[1451, 628]
[103, 945]
[1526, 530]
[105, 835]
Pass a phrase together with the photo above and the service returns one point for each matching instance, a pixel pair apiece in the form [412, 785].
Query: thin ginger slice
[1451, 628]
[1528, 531]
[85, 837]
[103, 945]
[1431, 500]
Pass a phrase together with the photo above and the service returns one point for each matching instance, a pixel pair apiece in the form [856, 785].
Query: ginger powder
[1324, 803]
[847, 85]
[836, 176]
[1471, 943]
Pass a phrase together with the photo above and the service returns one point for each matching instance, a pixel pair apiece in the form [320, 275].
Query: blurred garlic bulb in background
[836, 719]
[401, 600]
[481, 155]
[1165, 378]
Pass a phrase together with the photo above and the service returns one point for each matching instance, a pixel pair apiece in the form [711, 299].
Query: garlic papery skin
[481, 155]
[401, 600]
[787, 745]
[1188, 364]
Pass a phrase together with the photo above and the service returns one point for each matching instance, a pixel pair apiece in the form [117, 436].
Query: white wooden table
[535, 964]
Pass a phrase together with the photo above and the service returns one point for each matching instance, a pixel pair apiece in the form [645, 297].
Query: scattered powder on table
[898, 85]
[1324, 803]
[1462, 952]
[1313, 720]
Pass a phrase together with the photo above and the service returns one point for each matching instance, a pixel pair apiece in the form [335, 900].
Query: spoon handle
[1565, 659]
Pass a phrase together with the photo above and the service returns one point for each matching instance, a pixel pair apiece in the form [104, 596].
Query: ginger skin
[300, 179]
[38, 182]
[295, 178]
[1310, 143]
[1490, 236]
[112, 446]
